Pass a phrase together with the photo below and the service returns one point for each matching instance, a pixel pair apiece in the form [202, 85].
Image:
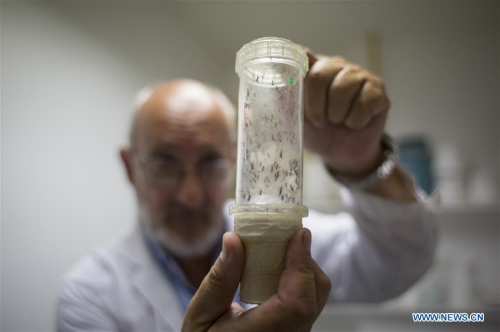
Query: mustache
[185, 213]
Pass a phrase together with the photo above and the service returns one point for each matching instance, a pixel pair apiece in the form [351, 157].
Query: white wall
[66, 102]
[439, 59]
[69, 71]
[442, 71]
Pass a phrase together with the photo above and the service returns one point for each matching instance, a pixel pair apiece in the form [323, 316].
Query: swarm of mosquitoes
[275, 177]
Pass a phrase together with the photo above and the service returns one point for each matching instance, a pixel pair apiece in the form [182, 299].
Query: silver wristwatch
[390, 160]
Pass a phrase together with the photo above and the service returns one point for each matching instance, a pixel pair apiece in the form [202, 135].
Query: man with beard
[180, 160]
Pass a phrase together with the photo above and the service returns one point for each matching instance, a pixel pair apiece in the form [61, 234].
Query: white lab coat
[371, 254]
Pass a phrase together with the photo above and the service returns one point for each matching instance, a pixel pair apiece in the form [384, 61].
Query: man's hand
[303, 291]
[345, 112]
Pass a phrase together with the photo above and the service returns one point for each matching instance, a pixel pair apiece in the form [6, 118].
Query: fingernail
[225, 252]
[306, 240]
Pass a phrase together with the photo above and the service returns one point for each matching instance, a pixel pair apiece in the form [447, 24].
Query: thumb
[297, 281]
[216, 292]
[310, 55]
[293, 308]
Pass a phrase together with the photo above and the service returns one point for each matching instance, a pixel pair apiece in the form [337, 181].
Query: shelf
[466, 210]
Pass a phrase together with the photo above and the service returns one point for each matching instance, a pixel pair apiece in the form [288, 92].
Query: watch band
[390, 161]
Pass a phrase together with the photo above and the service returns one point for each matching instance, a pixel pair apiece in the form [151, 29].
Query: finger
[293, 308]
[371, 101]
[313, 57]
[297, 289]
[316, 85]
[359, 115]
[342, 92]
[310, 55]
[216, 292]
[302, 261]
[323, 286]
[297, 280]
[228, 320]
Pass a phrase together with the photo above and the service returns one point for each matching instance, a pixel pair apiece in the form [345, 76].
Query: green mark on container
[290, 80]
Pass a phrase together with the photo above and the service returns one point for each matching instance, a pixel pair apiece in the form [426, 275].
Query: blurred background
[69, 71]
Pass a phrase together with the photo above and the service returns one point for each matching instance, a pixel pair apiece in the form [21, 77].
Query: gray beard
[176, 245]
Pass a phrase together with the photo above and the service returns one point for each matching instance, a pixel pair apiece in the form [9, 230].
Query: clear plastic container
[268, 207]
[270, 113]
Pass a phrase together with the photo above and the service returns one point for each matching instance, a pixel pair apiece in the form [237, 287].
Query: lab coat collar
[149, 280]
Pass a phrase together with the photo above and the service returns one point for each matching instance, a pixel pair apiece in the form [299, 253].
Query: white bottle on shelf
[450, 174]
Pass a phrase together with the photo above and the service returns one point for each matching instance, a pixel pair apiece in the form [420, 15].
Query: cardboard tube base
[265, 237]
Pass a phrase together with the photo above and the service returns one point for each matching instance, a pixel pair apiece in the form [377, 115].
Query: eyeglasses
[169, 172]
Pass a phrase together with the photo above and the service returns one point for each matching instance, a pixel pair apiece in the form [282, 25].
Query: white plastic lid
[272, 47]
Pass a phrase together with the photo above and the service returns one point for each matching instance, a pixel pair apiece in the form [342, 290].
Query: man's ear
[126, 156]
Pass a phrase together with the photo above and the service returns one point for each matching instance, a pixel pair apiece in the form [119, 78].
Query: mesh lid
[272, 47]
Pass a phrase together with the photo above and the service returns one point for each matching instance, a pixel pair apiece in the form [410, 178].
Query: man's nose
[190, 190]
